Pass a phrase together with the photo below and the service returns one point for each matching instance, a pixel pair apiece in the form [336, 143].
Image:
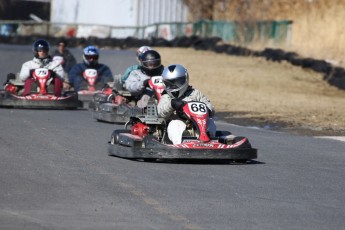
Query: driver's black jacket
[68, 59]
[76, 78]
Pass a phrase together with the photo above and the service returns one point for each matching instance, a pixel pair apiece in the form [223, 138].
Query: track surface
[55, 174]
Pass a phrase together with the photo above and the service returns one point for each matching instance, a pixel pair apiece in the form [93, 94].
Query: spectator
[66, 58]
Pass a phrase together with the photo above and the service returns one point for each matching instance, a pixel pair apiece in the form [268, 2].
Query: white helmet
[142, 50]
[176, 80]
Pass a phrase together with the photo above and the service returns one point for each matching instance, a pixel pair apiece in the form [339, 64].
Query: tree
[200, 9]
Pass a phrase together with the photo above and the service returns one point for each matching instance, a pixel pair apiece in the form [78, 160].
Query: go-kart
[89, 87]
[116, 105]
[41, 95]
[145, 137]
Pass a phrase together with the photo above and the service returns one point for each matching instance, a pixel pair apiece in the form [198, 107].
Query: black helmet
[150, 62]
[39, 45]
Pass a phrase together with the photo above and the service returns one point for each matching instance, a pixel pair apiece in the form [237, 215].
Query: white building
[115, 18]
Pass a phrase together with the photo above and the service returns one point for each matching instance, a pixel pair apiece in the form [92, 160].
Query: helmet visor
[175, 84]
[42, 49]
[89, 57]
[152, 64]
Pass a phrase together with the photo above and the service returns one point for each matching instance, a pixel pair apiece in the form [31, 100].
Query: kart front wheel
[115, 135]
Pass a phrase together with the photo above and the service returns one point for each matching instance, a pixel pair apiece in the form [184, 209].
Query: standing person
[137, 81]
[41, 59]
[177, 93]
[66, 57]
[90, 61]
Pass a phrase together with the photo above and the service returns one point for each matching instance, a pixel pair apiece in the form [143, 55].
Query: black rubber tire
[220, 133]
[2, 94]
[149, 159]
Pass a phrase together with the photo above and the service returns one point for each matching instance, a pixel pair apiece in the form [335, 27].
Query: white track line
[340, 138]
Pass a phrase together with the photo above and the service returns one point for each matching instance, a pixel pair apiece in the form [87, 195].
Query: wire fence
[242, 33]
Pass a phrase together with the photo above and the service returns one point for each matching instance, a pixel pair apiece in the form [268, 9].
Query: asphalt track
[55, 174]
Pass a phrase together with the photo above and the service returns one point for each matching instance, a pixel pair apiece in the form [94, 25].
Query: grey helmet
[176, 80]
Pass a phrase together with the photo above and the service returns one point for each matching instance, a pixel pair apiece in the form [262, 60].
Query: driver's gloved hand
[115, 92]
[177, 104]
[146, 83]
[10, 76]
[31, 71]
[53, 74]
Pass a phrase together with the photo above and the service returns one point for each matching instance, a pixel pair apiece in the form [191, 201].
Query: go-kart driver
[41, 59]
[139, 52]
[177, 93]
[137, 81]
[90, 61]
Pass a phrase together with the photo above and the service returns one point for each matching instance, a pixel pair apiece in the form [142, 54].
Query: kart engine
[143, 130]
[140, 129]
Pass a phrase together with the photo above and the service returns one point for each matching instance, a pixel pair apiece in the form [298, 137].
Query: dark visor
[152, 64]
[95, 57]
[38, 49]
[175, 83]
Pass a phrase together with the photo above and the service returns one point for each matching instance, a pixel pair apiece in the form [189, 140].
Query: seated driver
[177, 93]
[90, 61]
[41, 59]
[137, 81]
[139, 53]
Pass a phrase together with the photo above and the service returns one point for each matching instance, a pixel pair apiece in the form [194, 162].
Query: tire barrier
[334, 75]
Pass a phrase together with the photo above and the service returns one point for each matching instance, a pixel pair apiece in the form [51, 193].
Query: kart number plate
[197, 108]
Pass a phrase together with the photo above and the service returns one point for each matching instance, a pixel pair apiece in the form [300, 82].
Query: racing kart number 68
[145, 137]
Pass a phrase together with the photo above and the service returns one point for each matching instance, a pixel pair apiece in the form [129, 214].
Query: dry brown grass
[317, 30]
[256, 89]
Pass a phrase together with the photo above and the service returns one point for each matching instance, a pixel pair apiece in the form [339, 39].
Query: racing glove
[146, 83]
[177, 104]
[10, 76]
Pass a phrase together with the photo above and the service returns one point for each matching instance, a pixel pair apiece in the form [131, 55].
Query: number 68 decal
[197, 108]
